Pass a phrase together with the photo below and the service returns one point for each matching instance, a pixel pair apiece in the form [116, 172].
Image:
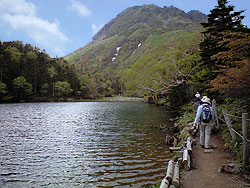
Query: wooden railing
[233, 132]
[172, 179]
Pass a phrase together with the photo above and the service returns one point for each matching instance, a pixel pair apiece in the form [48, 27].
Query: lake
[83, 144]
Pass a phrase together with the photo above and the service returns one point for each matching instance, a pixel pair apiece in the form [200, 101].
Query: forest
[212, 59]
[29, 74]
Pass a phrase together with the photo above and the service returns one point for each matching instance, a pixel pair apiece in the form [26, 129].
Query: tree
[52, 72]
[222, 18]
[3, 89]
[21, 87]
[38, 69]
[165, 71]
[62, 88]
[32, 64]
[87, 86]
[13, 57]
[45, 88]
[235, 78]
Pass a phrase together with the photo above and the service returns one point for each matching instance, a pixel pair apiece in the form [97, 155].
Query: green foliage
[234, 107]
[38, 69]
[3, 89]
[62, 88]
[188, 112]
[21, 87]
[45, 89]
[166, 69]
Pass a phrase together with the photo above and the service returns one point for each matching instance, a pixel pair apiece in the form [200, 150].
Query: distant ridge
[135, 31]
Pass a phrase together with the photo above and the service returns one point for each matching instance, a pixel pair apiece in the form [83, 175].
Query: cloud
[79, 8]
[21, 17]
[95, 28]
[17, 7]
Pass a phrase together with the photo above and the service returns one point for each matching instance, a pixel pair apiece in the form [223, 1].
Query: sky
[62, 26]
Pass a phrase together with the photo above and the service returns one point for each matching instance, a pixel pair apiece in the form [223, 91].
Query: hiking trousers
[205, 134]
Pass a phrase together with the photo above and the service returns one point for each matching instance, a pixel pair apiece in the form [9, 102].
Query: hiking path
[205, 168]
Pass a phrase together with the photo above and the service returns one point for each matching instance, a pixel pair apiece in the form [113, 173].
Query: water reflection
[81, 144]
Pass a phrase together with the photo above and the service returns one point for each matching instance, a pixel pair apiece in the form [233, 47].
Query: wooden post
[188, 167]
[245, 142]
[189, 145]
[175, 149]
[186, 159]
[170, 171]
[172, 186]
[185, 156]
[214, 107]
[229, 125]
[175, 142]
[176, 178]
[164, 183]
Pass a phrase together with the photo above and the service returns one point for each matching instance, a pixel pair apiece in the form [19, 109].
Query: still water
[88, 144]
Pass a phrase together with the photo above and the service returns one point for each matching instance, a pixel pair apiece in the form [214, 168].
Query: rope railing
[233, 132]
[240, 135]
[230, 115]
[231, 127]
[221, 120]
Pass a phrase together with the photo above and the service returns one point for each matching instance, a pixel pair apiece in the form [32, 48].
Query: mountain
[149, 16]
[133, 33]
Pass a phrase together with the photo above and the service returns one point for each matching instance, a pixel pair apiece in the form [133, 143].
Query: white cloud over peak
[80, 8]
[20, 15]
[95, 28]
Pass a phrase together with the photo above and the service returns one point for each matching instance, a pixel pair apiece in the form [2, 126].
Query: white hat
[203, 98]
[206, 100]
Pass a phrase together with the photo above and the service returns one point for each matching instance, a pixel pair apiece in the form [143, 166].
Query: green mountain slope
[135, 32]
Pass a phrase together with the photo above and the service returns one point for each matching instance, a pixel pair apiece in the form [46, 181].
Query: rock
[213, 146]
[247, 177]
[230, 168]
[208, 150]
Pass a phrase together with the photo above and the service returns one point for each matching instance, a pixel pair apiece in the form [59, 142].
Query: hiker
[205, 116]
[197, 97]
[200, 102]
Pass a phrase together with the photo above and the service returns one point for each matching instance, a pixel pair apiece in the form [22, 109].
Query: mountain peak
[197, 16]
[149, 16]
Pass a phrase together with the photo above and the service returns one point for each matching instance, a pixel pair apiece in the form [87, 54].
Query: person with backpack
[197, 97]
[205, 116]
[201, 102]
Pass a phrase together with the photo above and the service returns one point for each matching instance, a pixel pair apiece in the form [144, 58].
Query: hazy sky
[62, 26]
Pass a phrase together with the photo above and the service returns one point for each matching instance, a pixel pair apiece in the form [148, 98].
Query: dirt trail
[205, 172]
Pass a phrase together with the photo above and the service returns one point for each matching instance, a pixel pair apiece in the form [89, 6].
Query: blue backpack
[206, 114]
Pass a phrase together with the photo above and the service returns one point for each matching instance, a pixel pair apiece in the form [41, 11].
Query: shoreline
[120, 99]
[104, 99]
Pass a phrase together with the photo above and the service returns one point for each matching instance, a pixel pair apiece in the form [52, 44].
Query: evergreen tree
[62, 88]
[21, 87]
[3, 89]
[222, 18]
[235, 80]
